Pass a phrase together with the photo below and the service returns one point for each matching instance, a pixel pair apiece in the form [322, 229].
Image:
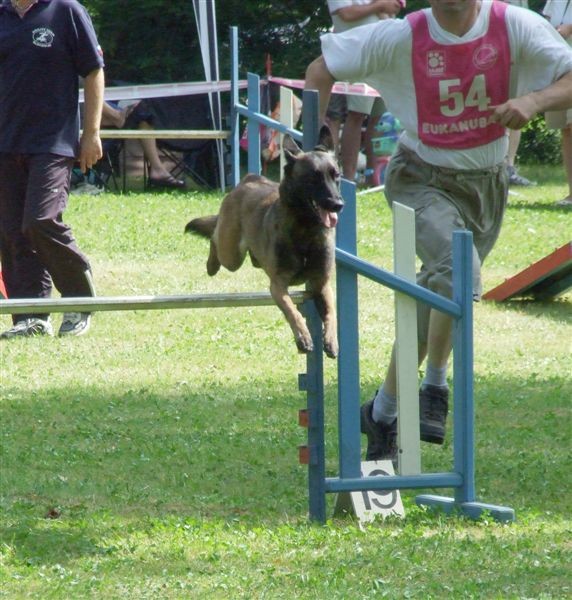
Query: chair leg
[146, 173]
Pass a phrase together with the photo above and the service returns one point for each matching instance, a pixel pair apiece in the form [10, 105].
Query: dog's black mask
[314, 178]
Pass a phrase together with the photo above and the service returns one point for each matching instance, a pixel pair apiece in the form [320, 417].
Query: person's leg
[335, 126]
[351, 144]
[358, 108]
[567, 160]
[51, 238]
[416, 184]
[157, 169]
[513, 143]
[435, 224]
[378, 108]
[515, 178]
[335, 116]
[25, 275]
[562, 120]
[159, 175]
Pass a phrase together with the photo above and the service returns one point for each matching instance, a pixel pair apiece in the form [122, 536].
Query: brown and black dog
[288, 230]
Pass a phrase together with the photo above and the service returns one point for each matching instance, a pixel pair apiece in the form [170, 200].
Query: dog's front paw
[304, 343]
[331, 347]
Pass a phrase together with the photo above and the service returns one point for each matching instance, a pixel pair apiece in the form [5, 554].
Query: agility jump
[349, 266]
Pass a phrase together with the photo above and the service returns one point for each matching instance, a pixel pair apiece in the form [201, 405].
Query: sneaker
[28, 328]
[381, 438]
[515, 179]
[567, 202]
[433, 409]
[75, 323]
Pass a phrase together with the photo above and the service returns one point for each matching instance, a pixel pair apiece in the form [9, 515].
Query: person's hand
[515, 113]
[90, 150]
[565, 31]
[389, 7]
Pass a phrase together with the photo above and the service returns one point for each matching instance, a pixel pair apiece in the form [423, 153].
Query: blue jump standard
[349, 266]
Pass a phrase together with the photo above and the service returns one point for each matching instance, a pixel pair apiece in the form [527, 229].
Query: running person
[456, 75]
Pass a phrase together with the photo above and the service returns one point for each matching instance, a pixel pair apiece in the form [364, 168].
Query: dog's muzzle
[328, 213]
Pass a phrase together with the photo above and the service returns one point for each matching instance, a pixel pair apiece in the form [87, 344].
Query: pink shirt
[456, 84]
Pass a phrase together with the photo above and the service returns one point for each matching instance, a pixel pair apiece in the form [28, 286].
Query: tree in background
[153, 41]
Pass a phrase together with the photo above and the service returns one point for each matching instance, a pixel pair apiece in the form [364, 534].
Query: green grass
[165, 443]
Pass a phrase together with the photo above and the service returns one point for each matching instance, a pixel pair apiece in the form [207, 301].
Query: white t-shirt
[380, 55]
[340, 24]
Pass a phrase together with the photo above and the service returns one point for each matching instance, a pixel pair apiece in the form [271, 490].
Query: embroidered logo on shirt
[485, 57]
[43, 37]
[435, 63]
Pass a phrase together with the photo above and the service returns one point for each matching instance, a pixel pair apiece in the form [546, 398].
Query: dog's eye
[334, 173]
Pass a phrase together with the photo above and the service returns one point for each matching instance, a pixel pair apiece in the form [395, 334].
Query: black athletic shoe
[381, 438]
[433, 409]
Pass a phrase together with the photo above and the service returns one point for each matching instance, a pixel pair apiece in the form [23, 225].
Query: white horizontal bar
[113, 303]
[165, 90]
[164, 134]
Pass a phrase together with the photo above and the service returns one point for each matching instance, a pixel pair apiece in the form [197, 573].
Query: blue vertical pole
[464, 439]
[316, 430]
[310, 123]
[234, 124]
[315, 360]
[254, 164]
[348, 359]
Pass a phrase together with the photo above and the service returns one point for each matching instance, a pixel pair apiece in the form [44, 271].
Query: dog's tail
[204, 226]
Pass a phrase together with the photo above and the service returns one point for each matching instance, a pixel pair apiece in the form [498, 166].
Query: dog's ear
[325, 139]
[291, 148]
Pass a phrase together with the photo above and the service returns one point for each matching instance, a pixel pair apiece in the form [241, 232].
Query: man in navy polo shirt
[45, 46]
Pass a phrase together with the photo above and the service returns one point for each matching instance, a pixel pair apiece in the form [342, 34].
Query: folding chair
[108, 170]
[200, 164]
[196, 159]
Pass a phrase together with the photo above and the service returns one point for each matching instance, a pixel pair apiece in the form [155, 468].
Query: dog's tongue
[329, 219]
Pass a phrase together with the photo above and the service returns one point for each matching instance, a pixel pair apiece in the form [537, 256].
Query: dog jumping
[288, 231]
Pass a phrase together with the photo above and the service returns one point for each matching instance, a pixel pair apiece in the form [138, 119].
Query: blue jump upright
[349, 266]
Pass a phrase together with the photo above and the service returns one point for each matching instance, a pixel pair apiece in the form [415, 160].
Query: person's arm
[565, 31]
[516, 113]
[318, 77]
[90, 150]
[111, 117]
[361, 11]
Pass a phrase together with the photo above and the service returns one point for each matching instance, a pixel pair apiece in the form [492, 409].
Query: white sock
[384, 407]
[436, 376]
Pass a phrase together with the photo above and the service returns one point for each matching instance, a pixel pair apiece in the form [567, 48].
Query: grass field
[156, 457]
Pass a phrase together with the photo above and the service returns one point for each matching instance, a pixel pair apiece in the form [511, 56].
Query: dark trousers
[36, 247]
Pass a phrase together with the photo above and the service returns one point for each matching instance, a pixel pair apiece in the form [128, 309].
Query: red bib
[456, 84]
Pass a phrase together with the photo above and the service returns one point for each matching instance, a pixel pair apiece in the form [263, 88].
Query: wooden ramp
[546, 278]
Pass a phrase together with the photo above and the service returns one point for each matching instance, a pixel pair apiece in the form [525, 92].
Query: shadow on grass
[230, 453]
[550, 207]
[519, 202]
[557, 310]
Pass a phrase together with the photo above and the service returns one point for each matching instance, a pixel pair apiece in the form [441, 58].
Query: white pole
[286, 118]
[205, 16]
[406, 350]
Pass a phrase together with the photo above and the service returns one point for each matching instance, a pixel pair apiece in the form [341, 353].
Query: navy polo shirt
[41, 57]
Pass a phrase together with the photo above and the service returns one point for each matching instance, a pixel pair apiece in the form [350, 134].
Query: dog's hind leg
[227, 239]
[293, 316]
[213, 263]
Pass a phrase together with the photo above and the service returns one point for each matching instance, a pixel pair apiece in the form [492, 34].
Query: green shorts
[446, 200]
[368, 105]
